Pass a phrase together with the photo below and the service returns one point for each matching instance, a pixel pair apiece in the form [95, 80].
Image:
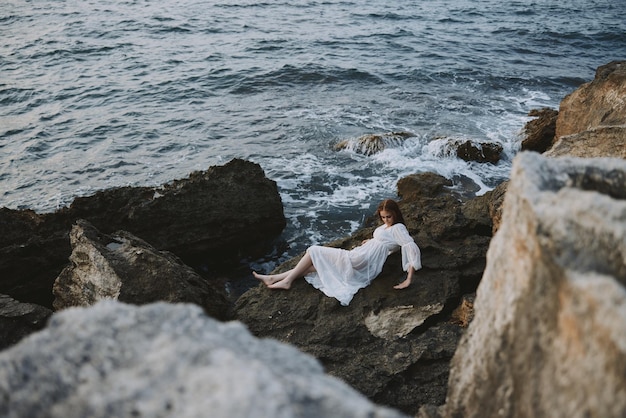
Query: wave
[299, 76]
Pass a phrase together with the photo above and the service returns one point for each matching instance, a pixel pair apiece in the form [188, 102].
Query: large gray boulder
[549, 333]
[163, 360]
[123, 267]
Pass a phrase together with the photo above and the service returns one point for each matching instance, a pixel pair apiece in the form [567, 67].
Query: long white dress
[341, 273]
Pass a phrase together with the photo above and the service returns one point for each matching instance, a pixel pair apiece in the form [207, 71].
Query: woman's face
[386, 217]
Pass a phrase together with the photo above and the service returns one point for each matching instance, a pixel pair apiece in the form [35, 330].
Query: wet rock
[163, 360]
[123, 267]
[539, 132]
[393, 346]
[481, 152]
[213, 216]
[17, 320]
[373, 143]
[549, 336]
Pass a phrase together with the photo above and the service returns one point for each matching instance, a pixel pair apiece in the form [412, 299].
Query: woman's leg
[304, 266]
[269, 279]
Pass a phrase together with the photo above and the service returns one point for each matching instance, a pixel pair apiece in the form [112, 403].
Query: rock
[373, 143]
[539, 133]
[464, 313]
[222, 211]
[164, 360]
[495, 200]
[604, 141]
[123, 267]
[17, 320]
[213, 217]
[393, 346]
[549, 333]
[32, 254]
[601, 102]
[467, 150]
[481, 152]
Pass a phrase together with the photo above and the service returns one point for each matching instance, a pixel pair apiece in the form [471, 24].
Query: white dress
[341, 273]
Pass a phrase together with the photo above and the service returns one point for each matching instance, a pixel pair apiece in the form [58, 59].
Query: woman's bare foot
[406, 283]
[281, 284]
[268, 279]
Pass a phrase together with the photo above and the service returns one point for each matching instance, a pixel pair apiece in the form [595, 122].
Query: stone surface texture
[212, 217]
[17, 320]
[123, 267]
[393, 346]
[601, 102]
[165, 360]
[549, 333]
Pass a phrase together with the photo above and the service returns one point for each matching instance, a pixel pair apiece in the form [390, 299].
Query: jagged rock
[163, 360]
[549, 333]
[17, 320]
[601, 102]
[481, 152]
[217, 215]
[604, 141]
[373, 143]
[495, 201]
[539, 132]
[464, 313]
[123, 267]
[393, 346]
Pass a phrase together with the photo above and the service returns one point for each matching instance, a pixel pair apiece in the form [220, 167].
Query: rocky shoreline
[520, 287]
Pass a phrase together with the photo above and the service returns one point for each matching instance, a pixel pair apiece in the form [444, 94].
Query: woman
[341, 273]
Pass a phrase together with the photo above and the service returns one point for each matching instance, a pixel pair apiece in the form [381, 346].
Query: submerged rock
[549, 333]
[163, 360]
[481, 152]
[373, 143]
[120, 266]
[468, 150]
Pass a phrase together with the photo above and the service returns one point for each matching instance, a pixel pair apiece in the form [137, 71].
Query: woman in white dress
[341, 273]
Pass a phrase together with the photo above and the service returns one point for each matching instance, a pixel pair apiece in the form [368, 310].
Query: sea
[101, 94]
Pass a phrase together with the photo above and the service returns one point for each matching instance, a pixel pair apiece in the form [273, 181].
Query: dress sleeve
[411, 255]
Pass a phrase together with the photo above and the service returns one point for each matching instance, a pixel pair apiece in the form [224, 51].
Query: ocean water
[98, 94]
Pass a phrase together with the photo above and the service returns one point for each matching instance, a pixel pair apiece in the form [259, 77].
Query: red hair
[389, 205]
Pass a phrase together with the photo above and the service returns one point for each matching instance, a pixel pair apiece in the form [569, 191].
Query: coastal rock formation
[539, 132]
[603, 141]
[163, 360]
[213, 216]
[601, 102]
[467, 150]
[590, 122]
[123, 267]
[373, 143]
[549, 333]
[481, 152]
[18, 320]
[393, 346]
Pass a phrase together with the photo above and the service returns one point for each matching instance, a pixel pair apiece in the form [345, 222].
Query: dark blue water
[96, 94]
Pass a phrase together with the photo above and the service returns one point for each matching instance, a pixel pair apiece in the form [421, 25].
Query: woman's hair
[389, 205]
